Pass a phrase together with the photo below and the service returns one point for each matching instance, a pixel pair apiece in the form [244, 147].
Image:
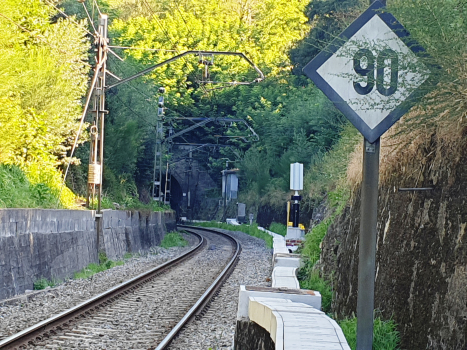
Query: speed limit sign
[372, 72]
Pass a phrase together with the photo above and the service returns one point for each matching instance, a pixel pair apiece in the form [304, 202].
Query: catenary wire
[171, 41]
[68, 17]
[89, 17]
[139, 48]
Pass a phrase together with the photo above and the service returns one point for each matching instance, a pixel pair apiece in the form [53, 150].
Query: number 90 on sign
[367, 65]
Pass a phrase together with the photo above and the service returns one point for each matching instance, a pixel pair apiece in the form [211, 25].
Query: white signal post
[296, 184]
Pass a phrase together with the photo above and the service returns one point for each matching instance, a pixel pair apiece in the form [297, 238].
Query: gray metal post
[367, 245]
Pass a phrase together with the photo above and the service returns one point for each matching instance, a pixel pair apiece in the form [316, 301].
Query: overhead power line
[139, 48]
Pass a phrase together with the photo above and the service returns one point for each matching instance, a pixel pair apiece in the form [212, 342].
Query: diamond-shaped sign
[371, 72]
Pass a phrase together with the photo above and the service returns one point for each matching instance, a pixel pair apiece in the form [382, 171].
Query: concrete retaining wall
[37, 243]
[133, 231]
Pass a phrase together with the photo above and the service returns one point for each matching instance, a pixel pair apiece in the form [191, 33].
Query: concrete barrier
[37, 243]
[296, 326]
[284, 317]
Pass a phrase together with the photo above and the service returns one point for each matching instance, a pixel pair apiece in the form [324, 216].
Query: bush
[43, 283]
[385, 335]
[173, 239]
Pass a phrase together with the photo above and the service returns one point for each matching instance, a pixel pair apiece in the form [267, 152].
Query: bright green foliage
[173, 239]
[43, 283]
[313, 240]
[93, 268]
[43, 72]
[263, 30]
[251, 230]
[16, 191]
[385, 335]
[314, 281]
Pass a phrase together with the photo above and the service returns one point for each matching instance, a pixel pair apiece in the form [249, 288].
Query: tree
[44, 75]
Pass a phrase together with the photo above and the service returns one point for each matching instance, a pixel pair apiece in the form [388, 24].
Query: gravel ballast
[216, 328]
[26, 310]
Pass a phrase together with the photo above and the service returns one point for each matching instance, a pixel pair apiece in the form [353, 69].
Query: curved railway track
[146, 312]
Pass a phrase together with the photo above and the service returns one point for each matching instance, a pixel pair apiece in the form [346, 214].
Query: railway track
[146, 312]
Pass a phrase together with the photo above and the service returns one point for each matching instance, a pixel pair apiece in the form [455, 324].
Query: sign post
[373, 74]
[367, 245]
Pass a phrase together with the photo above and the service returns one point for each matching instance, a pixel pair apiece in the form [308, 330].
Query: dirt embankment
[421, 262]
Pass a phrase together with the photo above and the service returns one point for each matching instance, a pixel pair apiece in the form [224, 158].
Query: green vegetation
[45, 67]
[311, 279]
[127, 256]
[278, 228]
[16, 191]
[43, 283]
[173, 239]
[92, 269]
[44, 75]
[385, 335]
[132, 203]
[251, 230]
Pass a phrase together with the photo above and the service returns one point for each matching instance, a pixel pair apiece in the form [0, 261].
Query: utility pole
[96, 157]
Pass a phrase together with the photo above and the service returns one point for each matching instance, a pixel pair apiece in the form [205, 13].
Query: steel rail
[54, 322]
[204, 300]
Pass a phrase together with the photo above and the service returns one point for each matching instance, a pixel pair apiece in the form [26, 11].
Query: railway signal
[373, 73]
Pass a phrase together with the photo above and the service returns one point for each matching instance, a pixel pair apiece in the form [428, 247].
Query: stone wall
[37, 243]
[133, 231]
[421, 258]
[250, 336]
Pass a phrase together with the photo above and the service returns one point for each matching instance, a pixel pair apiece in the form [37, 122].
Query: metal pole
[154, 173]
[367, 245]
[100, 113]
[161, 197]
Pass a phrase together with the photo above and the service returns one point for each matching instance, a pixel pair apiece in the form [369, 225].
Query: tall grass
[313, 281]
[173, 239]
[278, 228]
[251, 230]
[385, 335]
